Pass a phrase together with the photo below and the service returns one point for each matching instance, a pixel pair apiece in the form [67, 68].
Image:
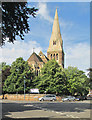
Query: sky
[74, 20]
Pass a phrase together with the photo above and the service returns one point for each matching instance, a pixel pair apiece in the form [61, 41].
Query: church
[55, 49]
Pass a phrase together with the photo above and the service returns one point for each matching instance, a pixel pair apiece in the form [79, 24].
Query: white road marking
[28, 105]
[69, 116]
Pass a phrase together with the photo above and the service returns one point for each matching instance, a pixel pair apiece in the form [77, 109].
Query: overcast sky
[74, 19]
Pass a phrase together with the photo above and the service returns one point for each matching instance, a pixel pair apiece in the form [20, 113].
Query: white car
[68, 98]
[48, 98]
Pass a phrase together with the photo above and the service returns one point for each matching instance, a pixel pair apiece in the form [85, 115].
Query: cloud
[65, 24]
[78, 55]
[19, 49]
[43, 12]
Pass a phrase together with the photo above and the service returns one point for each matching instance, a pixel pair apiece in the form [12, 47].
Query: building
[55, 49]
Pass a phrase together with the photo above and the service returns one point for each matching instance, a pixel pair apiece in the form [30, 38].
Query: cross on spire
[33, 50]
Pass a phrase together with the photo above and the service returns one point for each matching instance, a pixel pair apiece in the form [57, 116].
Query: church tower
[55, 50]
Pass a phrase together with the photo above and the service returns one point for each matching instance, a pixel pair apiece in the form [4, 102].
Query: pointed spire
[55, 49]
[56, 15]
[56, 35]
[56, 28]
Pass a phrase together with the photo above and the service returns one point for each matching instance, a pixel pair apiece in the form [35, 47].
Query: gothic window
[51, 56]
[54, 42]
[56, 56]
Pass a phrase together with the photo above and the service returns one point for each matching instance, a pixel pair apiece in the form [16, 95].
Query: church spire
[55, 42]
[55, 50]
[56, 28]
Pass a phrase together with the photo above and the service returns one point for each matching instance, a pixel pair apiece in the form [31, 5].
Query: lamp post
[24, 87]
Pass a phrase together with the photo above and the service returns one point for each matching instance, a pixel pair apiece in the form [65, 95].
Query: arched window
[51, 56]
[56, 56]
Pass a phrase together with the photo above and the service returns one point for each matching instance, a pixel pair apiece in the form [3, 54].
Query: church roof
[35, 57]
[40, 52]
[43, 57]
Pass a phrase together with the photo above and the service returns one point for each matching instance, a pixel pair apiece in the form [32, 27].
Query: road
[24, 109]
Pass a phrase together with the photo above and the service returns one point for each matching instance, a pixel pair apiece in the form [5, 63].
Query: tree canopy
[5, 72]
[76, 81]
[51, 79]
[20, 71]
[54, 79]
[15, 20]
[90, 77]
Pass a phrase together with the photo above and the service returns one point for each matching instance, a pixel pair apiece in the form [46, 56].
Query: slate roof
[35, 57]
[43, 55]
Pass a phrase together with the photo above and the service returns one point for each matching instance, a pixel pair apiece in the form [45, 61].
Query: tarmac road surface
[46, 110]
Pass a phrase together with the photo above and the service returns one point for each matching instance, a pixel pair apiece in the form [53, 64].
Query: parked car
[84, 97]
[89, 96]
[68, 98]
[48, 98]
[77, 98]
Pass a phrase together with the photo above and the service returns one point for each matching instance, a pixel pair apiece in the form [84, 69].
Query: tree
[20, 71]
[51, 78]
[90, 77]
[5, 72]
[15, 20]
[77, 81]
[54, 79]
[61, 82]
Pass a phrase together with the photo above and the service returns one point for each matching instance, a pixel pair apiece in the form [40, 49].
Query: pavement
[46, 110]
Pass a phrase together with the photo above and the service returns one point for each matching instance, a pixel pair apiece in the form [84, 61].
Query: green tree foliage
[50, 79]
[77, 81]
[15, 20]
[61, 82]
[20, 71]
[90, 77]
[36, 81]
[54, 79]
[5, 73]
[0, 66]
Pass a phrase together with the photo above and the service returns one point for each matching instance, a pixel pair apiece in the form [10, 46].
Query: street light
[24, 87]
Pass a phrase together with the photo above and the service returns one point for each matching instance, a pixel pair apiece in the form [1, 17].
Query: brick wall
[28, 97]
